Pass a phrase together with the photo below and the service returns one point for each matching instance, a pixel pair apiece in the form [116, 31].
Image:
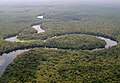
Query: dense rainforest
[76, 41]
[73, 27]
[52, 66]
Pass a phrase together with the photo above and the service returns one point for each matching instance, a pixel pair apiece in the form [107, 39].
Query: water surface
[12, 39]
[109, 42]
[6, 59]
[38, 28]
[40, 17]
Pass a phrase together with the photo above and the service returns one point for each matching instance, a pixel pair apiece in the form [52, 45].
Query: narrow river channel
[7, 58]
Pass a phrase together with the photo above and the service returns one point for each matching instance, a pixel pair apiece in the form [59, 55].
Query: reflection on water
[2, 61]
[38, 28]
[6, 59]
[109, 42]
[12, 39]
[41, 17]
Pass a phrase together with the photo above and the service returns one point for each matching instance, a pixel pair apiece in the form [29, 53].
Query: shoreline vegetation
[46, 64]
[76, 42]
[61, 24]
[40, 43]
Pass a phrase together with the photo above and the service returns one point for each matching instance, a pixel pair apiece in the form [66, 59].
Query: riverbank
[5, 61]
[8, 60]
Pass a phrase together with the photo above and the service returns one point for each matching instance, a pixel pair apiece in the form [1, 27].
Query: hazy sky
[64, 1]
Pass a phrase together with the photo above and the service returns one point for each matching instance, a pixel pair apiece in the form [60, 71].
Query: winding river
[7, 58]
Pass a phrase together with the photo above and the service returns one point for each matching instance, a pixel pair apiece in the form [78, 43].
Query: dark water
[6, 59]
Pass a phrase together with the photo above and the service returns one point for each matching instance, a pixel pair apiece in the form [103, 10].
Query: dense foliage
[6, 47]
[45, 66]
[76, 41]
[52, 66]
[98, 21]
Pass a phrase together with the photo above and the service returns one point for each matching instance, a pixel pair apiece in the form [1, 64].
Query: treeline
[93, 27]
[47, 65]
[70, 41]
[6, 47]
[14, 20]
[99, 21]
[75, 42]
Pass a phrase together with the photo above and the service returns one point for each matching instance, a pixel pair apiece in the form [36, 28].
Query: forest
[52, 66]
[72, 30]
[83, 42]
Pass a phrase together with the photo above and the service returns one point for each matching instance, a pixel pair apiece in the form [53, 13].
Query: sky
[63, 1]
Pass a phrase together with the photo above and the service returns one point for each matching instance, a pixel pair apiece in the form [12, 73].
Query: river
[7, 58]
